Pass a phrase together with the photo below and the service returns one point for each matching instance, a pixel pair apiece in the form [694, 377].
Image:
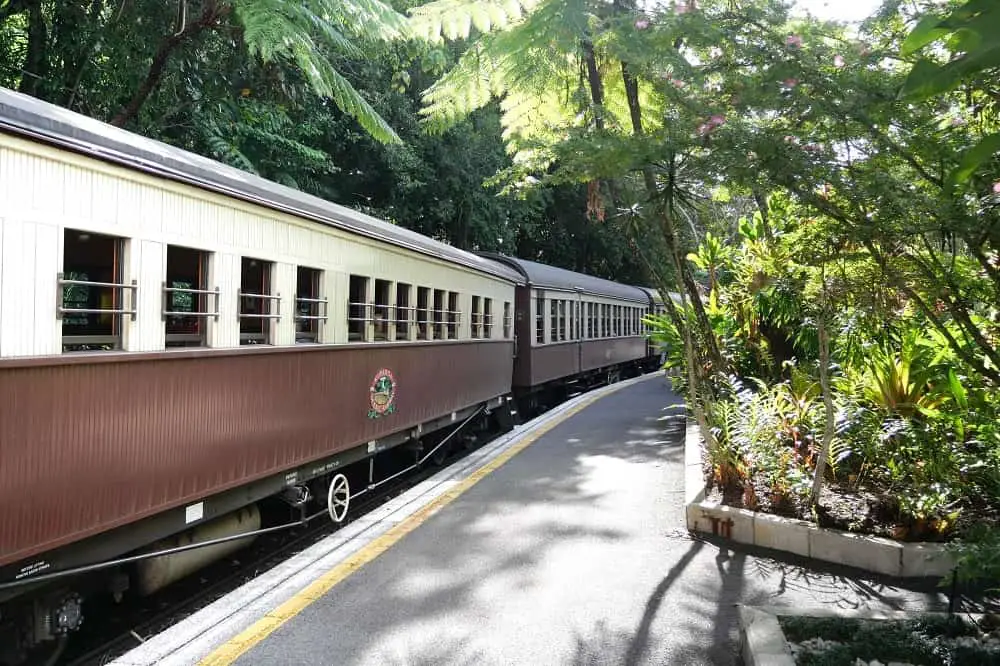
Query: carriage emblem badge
[382, 394]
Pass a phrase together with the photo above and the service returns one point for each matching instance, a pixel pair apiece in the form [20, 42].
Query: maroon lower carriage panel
[600, 353]
[565, 359]
[553, 361]
[92, 442]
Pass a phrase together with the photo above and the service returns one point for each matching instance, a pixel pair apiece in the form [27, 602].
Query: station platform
[564, 542]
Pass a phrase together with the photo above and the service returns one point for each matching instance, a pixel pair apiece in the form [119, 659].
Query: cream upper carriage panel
[62, 171]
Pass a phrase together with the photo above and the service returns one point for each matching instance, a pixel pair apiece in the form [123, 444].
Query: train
[181, 340]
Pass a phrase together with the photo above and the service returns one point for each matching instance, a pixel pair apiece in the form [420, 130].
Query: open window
[562, 321]
[539, 318]
[423, 313]
[357, 308]
[188, 303]
[310, 306]
[259, 308]
[487, 318]
[477, 318]
[92, 299]
[454, 315]
[383, 314]
[553, 320]
[439, 315]
[403, 311]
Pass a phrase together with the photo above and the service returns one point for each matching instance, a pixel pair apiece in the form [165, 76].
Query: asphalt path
[573, 552]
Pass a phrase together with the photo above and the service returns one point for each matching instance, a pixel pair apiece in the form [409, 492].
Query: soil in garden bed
[860, 509]
[928, 640]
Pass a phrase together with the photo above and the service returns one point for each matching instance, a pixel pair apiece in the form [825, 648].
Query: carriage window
[562, 320]
[539, 318]
[92, 298]
[258, 306]
[553, 320]
[188, 303]
[403, 317]
[423, 314]
[590, 320]
[477, 318]
[439, 318]
[487, 317]
[310, 307]
[357, 308]
[454, 315]
[506, 319]
[606, 320]
[382, 289]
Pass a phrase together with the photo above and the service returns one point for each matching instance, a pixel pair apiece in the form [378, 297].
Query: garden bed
[923, 640]
[862, 510]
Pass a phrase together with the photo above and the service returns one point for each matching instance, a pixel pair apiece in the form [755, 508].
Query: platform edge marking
[237, 646]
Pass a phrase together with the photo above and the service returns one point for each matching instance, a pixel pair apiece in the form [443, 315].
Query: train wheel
[338, 498]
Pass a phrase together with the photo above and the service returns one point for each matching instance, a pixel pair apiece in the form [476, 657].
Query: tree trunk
[36, 58]
[685, 282]
[824, 381]
[185, 31]
[594, 80]
[667, 229]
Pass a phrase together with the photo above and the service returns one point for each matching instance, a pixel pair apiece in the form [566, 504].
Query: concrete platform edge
[868, 553]
[198, 635]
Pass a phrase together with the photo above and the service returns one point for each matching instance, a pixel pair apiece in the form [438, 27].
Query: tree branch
[209, 18]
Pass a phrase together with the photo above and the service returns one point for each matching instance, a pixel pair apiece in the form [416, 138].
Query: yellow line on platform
[235, 647]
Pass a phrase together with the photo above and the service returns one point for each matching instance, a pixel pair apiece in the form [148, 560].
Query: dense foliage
[836, 322]
[823, 203]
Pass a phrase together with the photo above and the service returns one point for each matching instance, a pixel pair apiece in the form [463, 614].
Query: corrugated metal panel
[27, 116]
[599, 353]
[553, 361]
[89, 444]
[147, 265]
[46, 331]
[18, 291]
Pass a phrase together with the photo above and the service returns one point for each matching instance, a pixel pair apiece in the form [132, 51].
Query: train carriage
[180, 339]
[573, 329]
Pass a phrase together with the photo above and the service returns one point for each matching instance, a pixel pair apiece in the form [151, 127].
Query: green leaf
[927, 79]
[454, 19]
[928, 30]
[957, 390]
[981, 152]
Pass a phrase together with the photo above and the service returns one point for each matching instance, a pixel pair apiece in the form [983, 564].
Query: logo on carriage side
[382, 394]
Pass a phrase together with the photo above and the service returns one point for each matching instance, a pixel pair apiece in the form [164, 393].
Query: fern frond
[454, 19]
[467, 87]
[330, 83]
[274, 29]
[371, 19]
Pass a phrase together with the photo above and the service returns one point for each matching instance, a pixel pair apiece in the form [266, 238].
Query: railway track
[112, 629]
